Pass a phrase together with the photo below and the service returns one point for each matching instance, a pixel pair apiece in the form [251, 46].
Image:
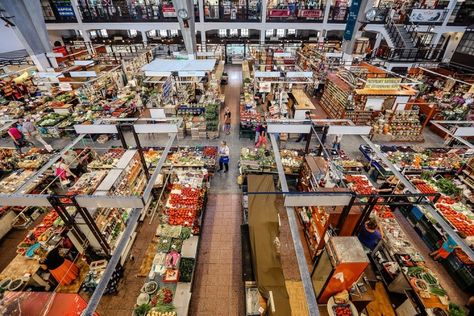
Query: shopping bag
[224, 159]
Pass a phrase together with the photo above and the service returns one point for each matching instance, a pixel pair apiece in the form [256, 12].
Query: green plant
[142, 310]
[455, 310]
[447, 187]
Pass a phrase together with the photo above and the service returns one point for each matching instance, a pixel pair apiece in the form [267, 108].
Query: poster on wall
[426, 15]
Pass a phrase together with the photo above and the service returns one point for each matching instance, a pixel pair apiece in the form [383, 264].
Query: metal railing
[338, 14]
[232, 13]
[394, 33]
[434, 54]
[293, 12]
[138, 13]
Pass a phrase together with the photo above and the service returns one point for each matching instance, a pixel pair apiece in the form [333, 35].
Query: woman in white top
[224, 156]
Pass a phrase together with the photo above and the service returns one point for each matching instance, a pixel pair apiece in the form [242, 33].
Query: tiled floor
[219, 268]
[218, 273]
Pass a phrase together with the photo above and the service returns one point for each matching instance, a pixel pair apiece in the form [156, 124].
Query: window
[164, 33]
[103, 33]
[174, 33]
[280, 33]
[233, 32]
[222, 33]
[291, 32]
[244, 32]
[268, 33]
[93, 34]
[152, 33]
[132, 33]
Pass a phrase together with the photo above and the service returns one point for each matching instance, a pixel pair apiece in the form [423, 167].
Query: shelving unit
[335, 96]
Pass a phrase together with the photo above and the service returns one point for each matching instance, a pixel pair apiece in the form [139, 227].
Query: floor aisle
[218, 285]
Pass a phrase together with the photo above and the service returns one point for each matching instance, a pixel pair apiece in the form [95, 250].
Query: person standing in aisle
[31, 133]
[336, 144]
[445, 250]
[257, 132]
[307, 116]
[227, 116]
[262, 137]
[17, 137]
[224, 152]
[370, 234]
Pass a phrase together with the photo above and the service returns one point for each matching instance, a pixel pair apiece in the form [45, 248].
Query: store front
[306, 11]
[235, 53]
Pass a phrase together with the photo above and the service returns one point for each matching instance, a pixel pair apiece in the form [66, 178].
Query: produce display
[51, 119]
[198, 157]
[14, 181]
[434, 158]
[87, 183]
[180, 220]
[107, 160]
[261, 159]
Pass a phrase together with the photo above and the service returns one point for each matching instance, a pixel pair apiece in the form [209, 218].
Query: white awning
[164, 67]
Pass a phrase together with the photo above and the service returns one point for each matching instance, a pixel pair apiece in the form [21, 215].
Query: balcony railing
[338, 14]
[293, 12]
[410, 54]
[232, 13]
[138, 13]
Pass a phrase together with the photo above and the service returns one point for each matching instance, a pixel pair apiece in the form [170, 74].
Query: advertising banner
[351, 20]
[426, 15]
[310, 14]
[383, 83]
[279, 13]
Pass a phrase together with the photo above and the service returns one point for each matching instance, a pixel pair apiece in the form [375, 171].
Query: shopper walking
[336, 144]
[262, 137]
[62, 171]
[307, 116]
[32, 134]
[257, 132]
[370, 234]
[224, 156]
[63, 270]
[445, 250]
[227, 120]
[17, 137]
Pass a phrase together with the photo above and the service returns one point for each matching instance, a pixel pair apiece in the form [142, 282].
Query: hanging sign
[471, 90]
[54, 55]
[351, 20]
[281, 54]
[310, 14]
[279, 13]
[299, 74]
[449, 85]
[265, 87]
[64, 86]
[267, 74]
[83, 62]
[65, 9]
[75, 74]
[426, 15]
[168, 11]
[383, 83]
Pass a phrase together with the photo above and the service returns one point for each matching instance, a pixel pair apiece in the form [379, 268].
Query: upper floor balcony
[230, 12]
[295, 12]
[113, 12]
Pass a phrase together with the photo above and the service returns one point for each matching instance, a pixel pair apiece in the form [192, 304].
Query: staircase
[401, 35]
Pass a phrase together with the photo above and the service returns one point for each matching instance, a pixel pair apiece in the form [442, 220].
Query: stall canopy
[42, 303]
[185, 68]
[263, 228]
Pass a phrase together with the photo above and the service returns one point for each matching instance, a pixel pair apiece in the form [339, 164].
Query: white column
[378, 40]
[203, 41]
[87, 42]
[262, 36]
[41, 62]
[77, 12]
[264, 11]
[451, 6]
[327, 9]
[201, 11]
[144, 38]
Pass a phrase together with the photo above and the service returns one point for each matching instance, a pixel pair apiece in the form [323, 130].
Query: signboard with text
[383, 83]
[426, 15]
[310, 14]
[352, 19]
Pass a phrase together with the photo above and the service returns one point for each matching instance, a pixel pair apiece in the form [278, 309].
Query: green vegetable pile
[212, 121]
[455, 310]
[447, 187]
[142, 310]
[186, 267]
